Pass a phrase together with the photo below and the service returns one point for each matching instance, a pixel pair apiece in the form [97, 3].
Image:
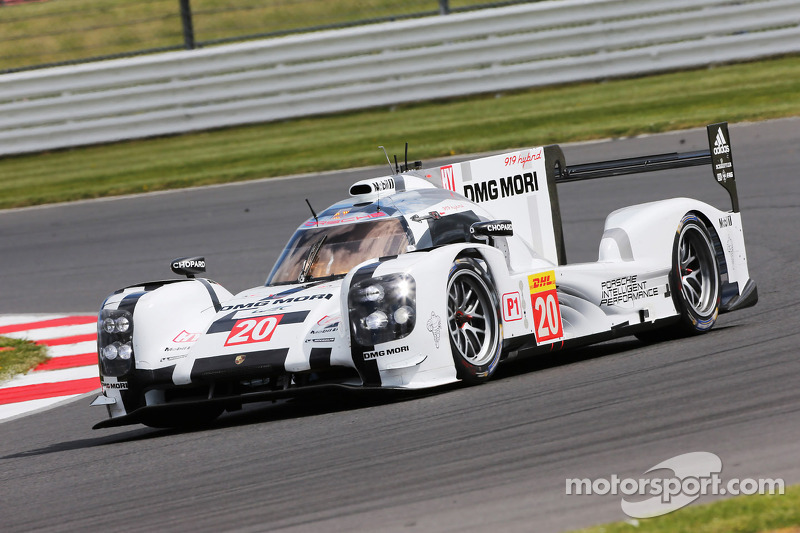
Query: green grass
[752, 91]
[18, 356]
[743, 514]
[64, 30]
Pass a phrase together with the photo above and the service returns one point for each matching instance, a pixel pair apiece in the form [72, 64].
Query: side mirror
[189, 266]
[492, 228]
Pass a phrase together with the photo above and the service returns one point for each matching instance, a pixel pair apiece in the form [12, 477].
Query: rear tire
[694, 282]
[473, 322]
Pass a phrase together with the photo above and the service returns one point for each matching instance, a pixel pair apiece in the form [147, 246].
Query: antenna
[405, 167]
[387, 158]
[313, 212]
[397, 168]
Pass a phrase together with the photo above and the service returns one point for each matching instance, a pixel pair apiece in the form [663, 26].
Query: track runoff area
[71, 342]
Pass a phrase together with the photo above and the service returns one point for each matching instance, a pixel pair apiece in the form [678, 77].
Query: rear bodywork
[358, 297]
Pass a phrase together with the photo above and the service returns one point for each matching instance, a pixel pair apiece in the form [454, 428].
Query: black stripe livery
[368, 370]
[264, 362]
[320, 358]
[226, 323]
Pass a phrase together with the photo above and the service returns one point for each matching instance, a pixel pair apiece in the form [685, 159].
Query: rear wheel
[697, 273]
[473, 323]
[694, 281]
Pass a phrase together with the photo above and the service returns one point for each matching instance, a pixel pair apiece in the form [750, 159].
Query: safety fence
[493, 50]
[46, 33]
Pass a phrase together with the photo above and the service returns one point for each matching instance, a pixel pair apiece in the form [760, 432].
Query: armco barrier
[383, 64]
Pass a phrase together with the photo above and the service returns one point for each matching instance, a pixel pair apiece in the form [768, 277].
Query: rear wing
[718, 153]
[521, 186]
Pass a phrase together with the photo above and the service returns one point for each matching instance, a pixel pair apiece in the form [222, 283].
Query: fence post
[186, 20]
[444, 7]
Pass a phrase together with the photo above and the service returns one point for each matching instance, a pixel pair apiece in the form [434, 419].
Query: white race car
[424, 278]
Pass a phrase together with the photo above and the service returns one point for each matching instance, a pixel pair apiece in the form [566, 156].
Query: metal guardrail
[98, 30]
[384, 64]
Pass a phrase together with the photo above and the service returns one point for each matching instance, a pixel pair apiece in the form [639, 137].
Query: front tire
[473, 322]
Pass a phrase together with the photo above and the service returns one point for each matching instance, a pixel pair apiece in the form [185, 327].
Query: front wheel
[473, 322]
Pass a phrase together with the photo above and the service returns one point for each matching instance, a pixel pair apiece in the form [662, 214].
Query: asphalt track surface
[493, 457]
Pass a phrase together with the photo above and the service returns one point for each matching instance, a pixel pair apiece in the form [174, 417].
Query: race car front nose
[383, 308]
[114, 342]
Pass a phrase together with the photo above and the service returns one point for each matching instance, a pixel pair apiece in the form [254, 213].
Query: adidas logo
[720, 144]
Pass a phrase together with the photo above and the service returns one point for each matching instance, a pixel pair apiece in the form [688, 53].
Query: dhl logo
[544, 281]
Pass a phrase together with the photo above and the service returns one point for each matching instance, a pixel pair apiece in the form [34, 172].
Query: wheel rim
[471, 318]
[698, 270]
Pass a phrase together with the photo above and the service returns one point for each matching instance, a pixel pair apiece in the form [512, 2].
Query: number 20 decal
[547, 315]
[546, 311]
[251, 330]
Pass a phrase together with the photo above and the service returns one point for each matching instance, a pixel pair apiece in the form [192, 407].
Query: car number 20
[547, 316]
[251, 330]
[546, 311]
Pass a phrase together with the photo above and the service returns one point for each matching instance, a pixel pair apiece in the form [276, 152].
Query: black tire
[183, 417]
[473, 322]
[694, 281]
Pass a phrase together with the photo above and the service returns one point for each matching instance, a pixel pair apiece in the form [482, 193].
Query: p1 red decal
[511, 307]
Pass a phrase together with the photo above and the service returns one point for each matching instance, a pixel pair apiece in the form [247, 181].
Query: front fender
[423, 358]
[167, 317]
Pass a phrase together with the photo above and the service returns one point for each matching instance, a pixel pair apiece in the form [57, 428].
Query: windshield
[329, 251]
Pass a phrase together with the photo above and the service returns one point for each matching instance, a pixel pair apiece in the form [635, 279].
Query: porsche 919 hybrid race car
[424, 278]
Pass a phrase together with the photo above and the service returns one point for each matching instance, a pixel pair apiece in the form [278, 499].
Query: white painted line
[53, 333]
[52, 376]
[13, 411]
[72, 349]
[8, 320]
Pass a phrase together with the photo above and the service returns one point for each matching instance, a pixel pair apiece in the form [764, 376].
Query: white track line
[12, 411]
[40, 334]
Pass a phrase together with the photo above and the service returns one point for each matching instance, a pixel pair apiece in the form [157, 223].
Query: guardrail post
[444, 7]
[186, 20]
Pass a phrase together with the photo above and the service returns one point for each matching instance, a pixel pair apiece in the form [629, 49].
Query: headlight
[382, 309]
[377, 320]
[118, 325]
[372, 293]
[122, 324]
[125, 351]
[109, 326]
[115, 342]
[110, 351]
[404, 314]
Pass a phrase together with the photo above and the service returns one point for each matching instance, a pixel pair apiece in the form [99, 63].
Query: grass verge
[751, 91]
[743, 514]
[68, 30]
[19, 356]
